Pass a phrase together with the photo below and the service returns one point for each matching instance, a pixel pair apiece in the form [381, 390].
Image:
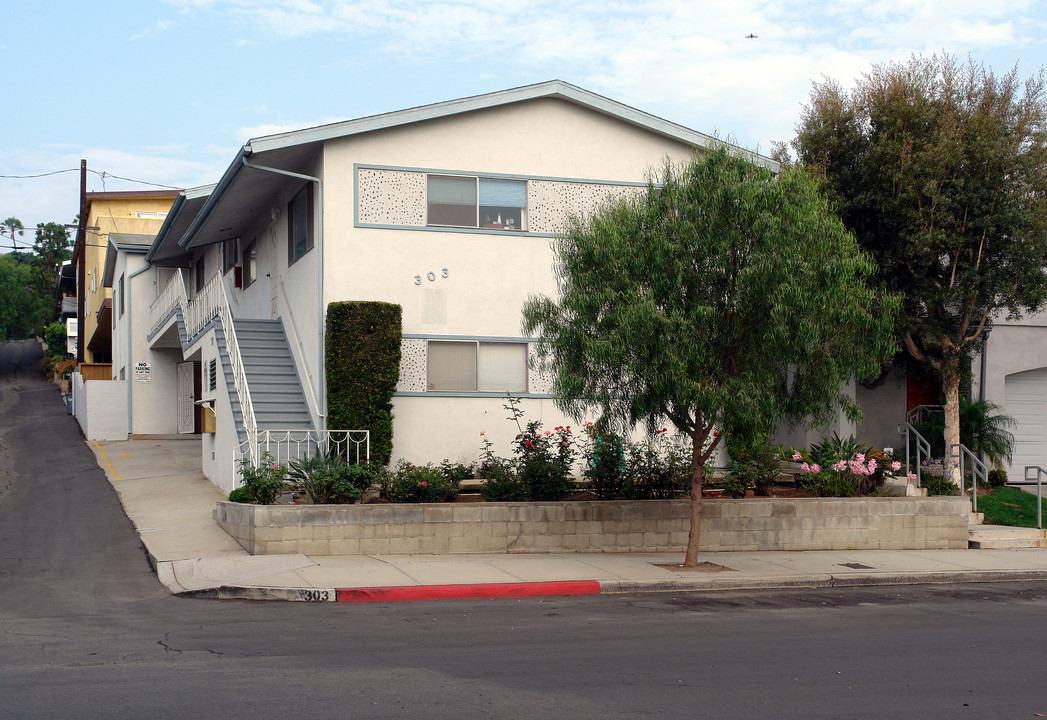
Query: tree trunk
[951, 386]
[691, 558]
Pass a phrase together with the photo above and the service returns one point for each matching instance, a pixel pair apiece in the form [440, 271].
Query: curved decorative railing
[285, 446]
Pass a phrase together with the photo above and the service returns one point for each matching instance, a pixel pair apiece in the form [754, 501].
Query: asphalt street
[87, 631]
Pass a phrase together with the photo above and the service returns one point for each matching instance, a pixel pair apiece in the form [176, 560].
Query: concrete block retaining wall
[599, 526]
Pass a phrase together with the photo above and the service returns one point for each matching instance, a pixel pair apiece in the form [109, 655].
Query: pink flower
[816, 468]
[860, 457]
[481, 432]
[425, 484]
[896, 466]
[911, 476]
[840, 466]
[805, 467]
[797, 456]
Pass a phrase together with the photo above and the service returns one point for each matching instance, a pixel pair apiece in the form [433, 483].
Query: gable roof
[550, 89]
[240, 194]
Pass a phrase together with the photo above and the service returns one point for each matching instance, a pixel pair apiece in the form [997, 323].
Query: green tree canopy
[723, 294]
[939, 170]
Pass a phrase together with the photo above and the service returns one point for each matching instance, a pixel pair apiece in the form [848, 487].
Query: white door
[1025, 400]
[186, 406]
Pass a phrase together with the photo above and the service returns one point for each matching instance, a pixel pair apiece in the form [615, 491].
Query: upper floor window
[466, 201]
[300, 224]
[120, 296]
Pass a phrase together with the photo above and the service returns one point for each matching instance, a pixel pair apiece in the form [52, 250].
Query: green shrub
[830, 483]
[262, 484]
[241, 495]
[997, 477]
[362, 360]
[54, 336]
[937, 484]
[501, 484]
[419, 484]
[544, 461]
[605, 462]
[754, 464]
[455, 472]
[657, 470]
[327, 479]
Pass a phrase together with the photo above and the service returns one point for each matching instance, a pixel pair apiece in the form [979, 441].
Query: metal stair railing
[919, 413]
[964, 455]
[1038, 481]
[236, 365]
[922, 448]
[171, 296]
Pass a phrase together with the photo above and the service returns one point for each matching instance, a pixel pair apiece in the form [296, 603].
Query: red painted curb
[413, 593]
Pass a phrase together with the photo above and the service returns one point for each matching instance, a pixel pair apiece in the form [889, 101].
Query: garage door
[1025, 399]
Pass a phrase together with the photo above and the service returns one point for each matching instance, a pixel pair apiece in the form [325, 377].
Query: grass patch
[1009, 506]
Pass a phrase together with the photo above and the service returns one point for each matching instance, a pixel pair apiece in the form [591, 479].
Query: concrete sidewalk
[170, 503]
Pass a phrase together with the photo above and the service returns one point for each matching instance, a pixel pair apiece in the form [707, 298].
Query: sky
[162, 93]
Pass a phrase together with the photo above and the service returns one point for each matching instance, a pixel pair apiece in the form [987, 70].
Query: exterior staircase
[272, 379]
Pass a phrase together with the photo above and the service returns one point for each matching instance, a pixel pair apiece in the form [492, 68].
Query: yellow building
[131, 212]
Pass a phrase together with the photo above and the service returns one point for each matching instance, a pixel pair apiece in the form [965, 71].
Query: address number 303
[430, 276]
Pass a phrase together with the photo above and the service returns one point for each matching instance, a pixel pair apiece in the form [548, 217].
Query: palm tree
[982, 429]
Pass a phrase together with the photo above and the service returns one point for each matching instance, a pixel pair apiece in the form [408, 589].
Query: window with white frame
[476, 366]
[477, 202]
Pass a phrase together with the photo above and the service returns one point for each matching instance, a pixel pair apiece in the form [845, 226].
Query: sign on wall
[143, 372]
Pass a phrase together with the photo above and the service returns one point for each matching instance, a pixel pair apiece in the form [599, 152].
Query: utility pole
[81, 272]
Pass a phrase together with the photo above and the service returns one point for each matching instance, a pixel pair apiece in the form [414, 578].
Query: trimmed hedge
[362, 355]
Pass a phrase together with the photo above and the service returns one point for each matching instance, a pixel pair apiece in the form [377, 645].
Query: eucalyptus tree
[724, 294]
[940, 170]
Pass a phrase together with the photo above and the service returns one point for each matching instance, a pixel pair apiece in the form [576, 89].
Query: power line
[40, 175]
[102, 174]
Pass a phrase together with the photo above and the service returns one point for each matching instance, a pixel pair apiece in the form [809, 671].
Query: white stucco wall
[151, 395]
[100, 407]
[488, 275]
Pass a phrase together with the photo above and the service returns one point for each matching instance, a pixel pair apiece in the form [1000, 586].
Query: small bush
[419, 484]
[327, 479]
[455, 472]
[605, 462]
[544, 461]
[657, 470]
[997, 477]
[260, 485]
[937, 484]
[754, 464]
[501, 484]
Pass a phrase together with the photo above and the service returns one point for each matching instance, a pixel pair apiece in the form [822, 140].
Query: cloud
[159, 27]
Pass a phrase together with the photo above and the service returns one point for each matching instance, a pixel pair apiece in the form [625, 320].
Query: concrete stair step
[987, 537]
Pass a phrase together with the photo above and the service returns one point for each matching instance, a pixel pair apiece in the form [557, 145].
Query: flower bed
[879, 523]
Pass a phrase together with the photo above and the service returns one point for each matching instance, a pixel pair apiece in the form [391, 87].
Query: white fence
[281, 447]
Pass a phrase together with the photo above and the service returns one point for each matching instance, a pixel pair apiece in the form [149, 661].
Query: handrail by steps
[922, 446]
[978, 470]
[236, 366]
[296, 347]
[1040, 472]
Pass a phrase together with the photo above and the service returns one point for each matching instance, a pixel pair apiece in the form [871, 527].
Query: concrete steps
[276, 393]
[987, 537]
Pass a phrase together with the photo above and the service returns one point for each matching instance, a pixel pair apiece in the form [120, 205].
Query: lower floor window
[476, 366]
